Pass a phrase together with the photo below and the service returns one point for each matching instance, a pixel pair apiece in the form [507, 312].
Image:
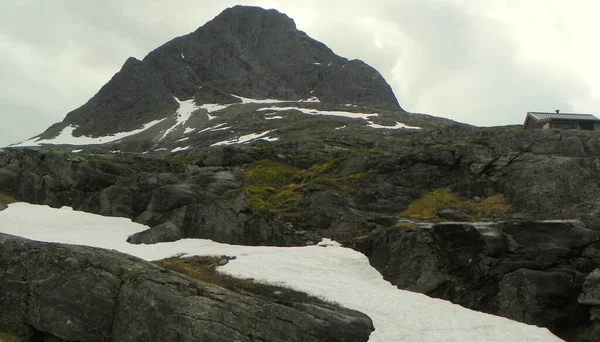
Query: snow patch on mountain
[246, 139]
[311, 111]
[183, 114]
[398, 125]
[177, 149]
[66, 137]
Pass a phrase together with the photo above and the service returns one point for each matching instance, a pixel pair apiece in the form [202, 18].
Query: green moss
[427, 207]
[9, 337]
[7, 198]
[346, 185]
[406, 225]
[271, 174]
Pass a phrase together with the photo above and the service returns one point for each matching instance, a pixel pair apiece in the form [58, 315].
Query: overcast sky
[483, 62]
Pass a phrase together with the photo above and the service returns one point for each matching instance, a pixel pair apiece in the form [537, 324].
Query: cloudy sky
[483, 62]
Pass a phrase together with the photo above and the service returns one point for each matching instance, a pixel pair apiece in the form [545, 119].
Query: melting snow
[352, 115]
[177, 149]
[188, 130]
[214, 107]
[330, 271]
[66, 137]
[182, 139]
[311, 111]
[218, 127]
[246, 138]
[183, 114]
[398, 125]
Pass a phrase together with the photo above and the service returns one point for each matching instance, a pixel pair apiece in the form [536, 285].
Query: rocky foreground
[379, 193]
[74, 293]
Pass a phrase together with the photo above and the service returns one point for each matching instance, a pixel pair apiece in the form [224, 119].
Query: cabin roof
[562, 116]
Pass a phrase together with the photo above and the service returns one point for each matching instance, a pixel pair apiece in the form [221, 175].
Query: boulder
[76, 293]
[165, 232]
[3, 205]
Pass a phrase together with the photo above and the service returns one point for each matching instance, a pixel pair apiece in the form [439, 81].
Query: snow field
[330, 271]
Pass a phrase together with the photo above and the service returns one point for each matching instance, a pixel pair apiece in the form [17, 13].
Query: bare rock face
[76, 293]
[529, 271]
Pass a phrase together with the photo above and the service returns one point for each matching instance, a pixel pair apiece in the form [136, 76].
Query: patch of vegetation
[406, 225]
[9, 337]
[427, 207]
[346, 185]
[7, 198]
[268, 173]
[205, 269]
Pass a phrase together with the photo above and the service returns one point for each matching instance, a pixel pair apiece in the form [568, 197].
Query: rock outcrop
[529, 271]
[73, 293]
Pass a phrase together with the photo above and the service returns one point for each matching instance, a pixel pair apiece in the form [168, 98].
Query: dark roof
[562, 116]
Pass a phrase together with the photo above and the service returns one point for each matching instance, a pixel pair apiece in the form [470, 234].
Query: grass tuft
[9, 337]
[8, 199]
[205, 269]
[427, 207]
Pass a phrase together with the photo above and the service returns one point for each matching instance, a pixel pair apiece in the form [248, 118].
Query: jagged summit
[244, 55]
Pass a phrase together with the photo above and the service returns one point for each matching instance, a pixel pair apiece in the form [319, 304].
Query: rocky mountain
[247, 131]
[231, 80]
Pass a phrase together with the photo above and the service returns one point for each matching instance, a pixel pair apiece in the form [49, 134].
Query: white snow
[182, 139]
[188, 130]
[183, 114]
[317, 63]
[273, 117]
[249, 100]
[338, 128]
[398, 125]
[66, 137]
[312, 99]
[335, 273]
[214, 107]
[177, 149]
[311, 111]
[269, 101]
[246, 138]
[76, 151]
[353, 115]
[182, 57]
[215, 128]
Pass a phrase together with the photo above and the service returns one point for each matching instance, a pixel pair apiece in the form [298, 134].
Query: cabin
[558, 120]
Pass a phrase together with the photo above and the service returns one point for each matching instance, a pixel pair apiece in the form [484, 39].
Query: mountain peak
[244, 17]
[245, 51]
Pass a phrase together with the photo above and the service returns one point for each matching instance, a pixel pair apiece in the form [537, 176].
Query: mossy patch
[346, 185]
[427, 207]
[205, 269]
[406, 225]
[9, 337]
[7, 198]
